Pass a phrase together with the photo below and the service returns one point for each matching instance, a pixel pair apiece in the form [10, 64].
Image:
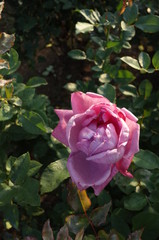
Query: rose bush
[102, 137]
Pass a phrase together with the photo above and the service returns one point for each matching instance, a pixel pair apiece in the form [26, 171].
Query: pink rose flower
[102, 137]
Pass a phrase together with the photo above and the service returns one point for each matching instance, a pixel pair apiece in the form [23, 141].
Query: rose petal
[132, 147]
[60, 131]
[133, 143]
[99, 188]
[123, 165]
[75, 125]
[124, 133]
[104, 142]
[129, 115]
[81, 101]
[107, 157]
[86, 173]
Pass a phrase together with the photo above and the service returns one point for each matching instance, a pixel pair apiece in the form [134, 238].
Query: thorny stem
[89, 220]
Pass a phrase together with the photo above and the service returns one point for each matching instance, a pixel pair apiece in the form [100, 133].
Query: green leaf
[20, 168]
[82, 27]
[126, 185]
[36, 82]
[53, 175]
[135, 202]
[6, 112]
[47, 233]
[128, 90]
[6, 194]
[154, 196]
[32, 122]
[149, 221]
[146, 159]
[26, 95]
[28, 193]
[76, 223]
[130, 13]
[6, 42]
[13, 59]
[77, 54]
[11, 215]
[131, 62]
[145, 88]
[124, 77]
[98, 215]
[155, 60]
[119, 224]
[144, 60]
[148, 23]
[128, 32]
[108, 91]
[34, 167]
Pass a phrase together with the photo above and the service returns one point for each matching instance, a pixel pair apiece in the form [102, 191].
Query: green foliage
[53, 175]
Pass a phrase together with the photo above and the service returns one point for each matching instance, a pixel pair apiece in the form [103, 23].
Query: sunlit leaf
[54, 174]
[128, 90]
[77, 54]
[82, 27]
[90, 15]
[32, 122]
[36, 82]
[155, 60]
[144, 60]
[131, 62]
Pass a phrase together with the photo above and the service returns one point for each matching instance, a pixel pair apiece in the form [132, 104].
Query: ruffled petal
[124, 133]
[86, 173]
[107, 157]
[81, 101]
[133, 143]
[75, 125]
[99, 188]
[131, 148]
[129, 115]
[60, 131]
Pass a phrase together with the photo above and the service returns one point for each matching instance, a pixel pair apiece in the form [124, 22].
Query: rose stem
[85, 212]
